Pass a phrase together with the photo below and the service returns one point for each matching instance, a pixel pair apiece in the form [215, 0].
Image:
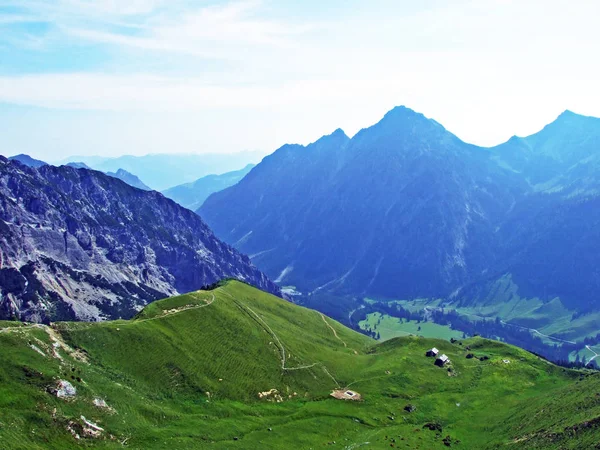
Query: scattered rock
[271, 396]
[64, 389]
[91, 425]
[37, 349]
[101, 403]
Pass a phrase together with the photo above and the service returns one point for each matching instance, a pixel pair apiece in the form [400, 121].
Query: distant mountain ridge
[193, 195]
[129, 178]
[407, 210]
[164, 171]
[121, 174]
[80, 245]
[28, 160]
[78, 165]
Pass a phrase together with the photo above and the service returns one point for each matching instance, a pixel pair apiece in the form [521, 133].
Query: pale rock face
[76, 244]
[65, 390]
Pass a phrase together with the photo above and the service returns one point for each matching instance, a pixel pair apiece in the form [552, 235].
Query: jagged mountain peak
[338, 137]
[568, 139]
[402, 121]
[405, 131]
[402, 115]
[568, 114]
[569, 119]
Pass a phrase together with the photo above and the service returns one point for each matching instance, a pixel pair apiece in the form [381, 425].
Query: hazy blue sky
[145, 76]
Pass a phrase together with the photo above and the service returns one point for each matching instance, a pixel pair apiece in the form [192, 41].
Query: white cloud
[481, 110]
[486, 69]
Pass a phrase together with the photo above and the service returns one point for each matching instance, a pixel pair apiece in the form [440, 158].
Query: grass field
[390, 327]
[189, 371]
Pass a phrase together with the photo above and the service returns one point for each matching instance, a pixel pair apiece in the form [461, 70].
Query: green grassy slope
[187, 373]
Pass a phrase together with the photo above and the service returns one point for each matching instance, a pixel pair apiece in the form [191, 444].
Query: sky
[109, 77]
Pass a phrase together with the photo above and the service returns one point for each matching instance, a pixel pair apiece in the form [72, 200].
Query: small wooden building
[442, 361]
[432, 352]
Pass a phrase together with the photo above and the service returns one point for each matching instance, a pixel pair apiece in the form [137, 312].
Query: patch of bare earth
[346, 394]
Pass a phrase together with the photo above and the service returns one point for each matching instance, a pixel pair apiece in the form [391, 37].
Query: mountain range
[163, 171]
[121, 174]
[407, 210]
[78, 244]
[193, 195]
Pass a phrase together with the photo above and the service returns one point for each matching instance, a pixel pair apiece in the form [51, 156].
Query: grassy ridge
[187, 372]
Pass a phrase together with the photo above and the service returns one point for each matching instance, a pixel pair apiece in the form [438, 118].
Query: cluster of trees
[371, 332]
[391, 309]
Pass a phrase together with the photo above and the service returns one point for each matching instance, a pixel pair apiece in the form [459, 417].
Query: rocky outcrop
[79, 245]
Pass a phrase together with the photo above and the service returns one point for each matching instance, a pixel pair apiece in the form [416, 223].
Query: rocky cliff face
[78, 244]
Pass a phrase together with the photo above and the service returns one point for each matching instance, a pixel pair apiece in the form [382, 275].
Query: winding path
[332, 329]
[177, 311]
[266, 326]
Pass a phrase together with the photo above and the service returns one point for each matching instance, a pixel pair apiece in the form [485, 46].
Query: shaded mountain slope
[204, 370]
[78, 244]
[378, 214]
[551, 237]
[406, 210]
